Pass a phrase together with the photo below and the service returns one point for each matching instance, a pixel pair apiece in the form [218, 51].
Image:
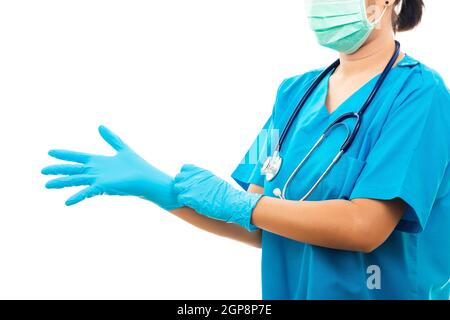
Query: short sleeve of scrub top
[249, 170]
[410, 158]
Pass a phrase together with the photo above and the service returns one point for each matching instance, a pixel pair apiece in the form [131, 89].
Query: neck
[373, 55]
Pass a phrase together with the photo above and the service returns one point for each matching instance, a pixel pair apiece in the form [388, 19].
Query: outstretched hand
[125, 174]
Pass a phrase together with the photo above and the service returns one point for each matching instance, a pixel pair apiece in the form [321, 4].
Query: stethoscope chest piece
[272, 166]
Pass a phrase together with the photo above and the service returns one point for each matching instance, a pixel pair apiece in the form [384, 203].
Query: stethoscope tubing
[351, 134]
[324, 174]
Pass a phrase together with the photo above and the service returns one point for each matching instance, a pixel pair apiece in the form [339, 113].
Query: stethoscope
[272, 165]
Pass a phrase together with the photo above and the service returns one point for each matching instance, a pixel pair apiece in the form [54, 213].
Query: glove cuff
[243, 217]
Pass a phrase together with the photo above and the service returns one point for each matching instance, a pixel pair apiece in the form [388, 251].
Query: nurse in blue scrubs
[377, 226]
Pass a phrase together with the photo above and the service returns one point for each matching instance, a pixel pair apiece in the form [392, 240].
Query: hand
[213, 197]
[124, 174]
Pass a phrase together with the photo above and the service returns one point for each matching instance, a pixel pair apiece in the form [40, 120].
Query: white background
[180, 81]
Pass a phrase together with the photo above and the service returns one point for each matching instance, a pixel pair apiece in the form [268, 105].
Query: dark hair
[409, 16]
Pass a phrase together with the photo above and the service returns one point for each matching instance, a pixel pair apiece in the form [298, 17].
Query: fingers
[88, 192]
[64, 169]
[111, 138]
[71, 156]
[188, 170]
[191, 168]
[190, 176]
[70, 181]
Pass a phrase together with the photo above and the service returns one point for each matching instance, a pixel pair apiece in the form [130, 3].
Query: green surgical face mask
[341, 25]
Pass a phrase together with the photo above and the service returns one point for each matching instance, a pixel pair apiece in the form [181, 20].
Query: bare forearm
[220, 228]
[338, 224]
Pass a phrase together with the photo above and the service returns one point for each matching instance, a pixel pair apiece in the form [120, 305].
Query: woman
[377, 225]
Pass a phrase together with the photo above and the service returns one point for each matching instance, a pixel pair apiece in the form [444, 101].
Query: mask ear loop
[378, 20]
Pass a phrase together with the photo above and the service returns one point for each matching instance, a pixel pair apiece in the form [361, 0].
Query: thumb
[112, 139]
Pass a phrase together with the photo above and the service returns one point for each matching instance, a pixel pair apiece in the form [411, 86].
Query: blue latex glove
[213, 197]
[124, 174]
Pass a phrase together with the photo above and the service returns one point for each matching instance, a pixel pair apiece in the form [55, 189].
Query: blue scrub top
[401, 151]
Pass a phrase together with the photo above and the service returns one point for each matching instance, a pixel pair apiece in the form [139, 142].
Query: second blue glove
[213, 197]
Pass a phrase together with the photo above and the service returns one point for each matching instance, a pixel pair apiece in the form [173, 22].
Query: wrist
[160, 191]
[244, 216]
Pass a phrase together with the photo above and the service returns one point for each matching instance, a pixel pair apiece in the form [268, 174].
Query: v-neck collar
[364, 88]
[406, 61]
